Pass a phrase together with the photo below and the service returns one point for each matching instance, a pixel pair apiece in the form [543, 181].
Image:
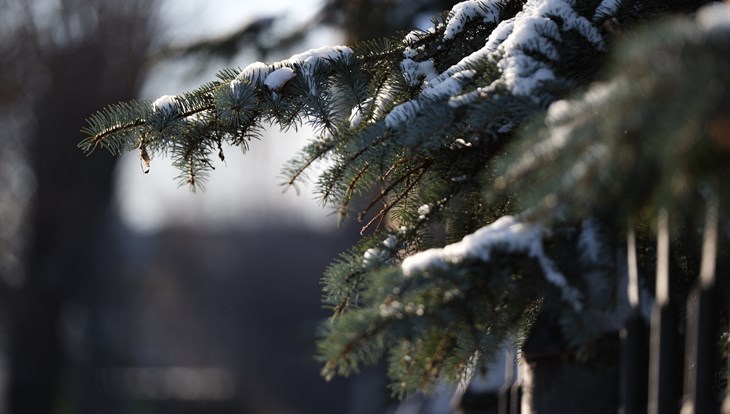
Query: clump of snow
[308, 60]
[414, 71]
[432, 92]
[391, 242]
[376, 105]
[402, 113]
[423, 211]
[487, 10]
[235, 86]
[413, 36]
[506, 233]
[514, 43]
[533, 31]
[259, 72]
[312, 56]
[278, 78]
[449, 87]
[255, 73]
[524, 48]
[607, 8]
[459, 142]
[166, 104]
[374, 257]
[356, 116]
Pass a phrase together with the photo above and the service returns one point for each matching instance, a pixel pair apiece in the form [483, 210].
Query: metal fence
[669, 364]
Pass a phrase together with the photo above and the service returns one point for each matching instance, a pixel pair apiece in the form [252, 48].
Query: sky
[244, 191]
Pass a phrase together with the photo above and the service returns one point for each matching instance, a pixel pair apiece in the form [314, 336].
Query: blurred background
[119, 291]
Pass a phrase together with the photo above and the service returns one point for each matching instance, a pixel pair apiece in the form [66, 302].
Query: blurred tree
[60, 61]
[357, 20]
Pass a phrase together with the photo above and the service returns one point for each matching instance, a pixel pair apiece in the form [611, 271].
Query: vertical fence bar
[505, 391]
[701, 332]
[516, 400]
[726, 404]
[664, 360]
[634, 338]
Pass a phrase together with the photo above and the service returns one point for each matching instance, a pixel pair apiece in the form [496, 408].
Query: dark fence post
[516, 396]
[505, 391]
[635, 363]
[665, 395]
[634, 342]
[701, 333]
[665, 367]
[726, 404]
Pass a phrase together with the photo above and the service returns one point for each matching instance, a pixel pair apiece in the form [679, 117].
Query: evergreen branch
[384, 192]
[350, 191]
[386, 208]
[89, 144]
[308, 156]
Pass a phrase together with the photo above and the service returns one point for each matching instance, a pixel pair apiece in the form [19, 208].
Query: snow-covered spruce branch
[418, 124]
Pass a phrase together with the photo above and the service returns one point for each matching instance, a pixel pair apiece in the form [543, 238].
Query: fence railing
[666, 367]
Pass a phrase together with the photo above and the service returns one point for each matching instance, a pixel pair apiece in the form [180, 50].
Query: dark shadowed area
[96, 318]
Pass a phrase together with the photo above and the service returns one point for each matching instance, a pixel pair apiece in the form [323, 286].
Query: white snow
[514, 42]
[311, 56]
[448, 87]
[255, 73]
[391, 242]
[377, 105]
[356, 116]
[278, 78]
[506, 233]
[374, 257]
[402, 113]
[513, 45]
[461, 143]
[258, 72]
[606, 9]
[431, 92]
[413, 36]
[308, 60]
[414, 71]
[487, 10]
[423, 211]
[165, 104]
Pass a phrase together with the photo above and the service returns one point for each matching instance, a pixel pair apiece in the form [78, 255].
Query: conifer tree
[495, 161]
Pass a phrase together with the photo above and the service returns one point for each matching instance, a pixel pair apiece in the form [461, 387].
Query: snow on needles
[534, 32]
[276, 75]
[607, 8]
[507, 233]
[524, 48]
[278, 78]
[165, 104]
[462, 12]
